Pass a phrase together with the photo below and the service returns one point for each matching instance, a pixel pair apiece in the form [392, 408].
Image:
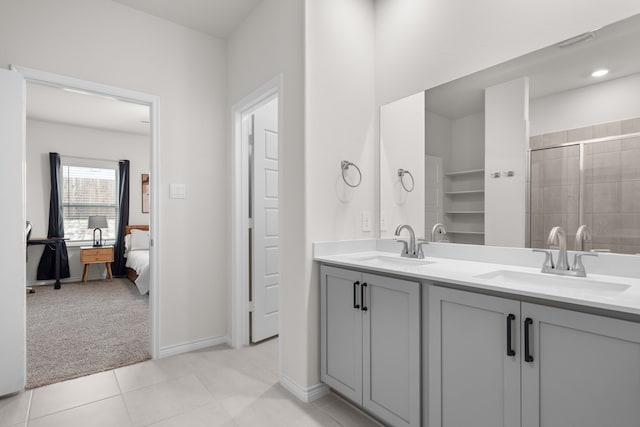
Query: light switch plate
[366, 221]
[383, 222]
[177, 191]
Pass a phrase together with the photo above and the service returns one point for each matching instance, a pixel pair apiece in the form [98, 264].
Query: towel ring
[345, 167]
[401, 174]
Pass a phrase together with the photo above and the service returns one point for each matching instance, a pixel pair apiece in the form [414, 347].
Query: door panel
[341, 332]
[391, 349]
[266, 242]
[12, 258]
[585, 370]
[472, 380]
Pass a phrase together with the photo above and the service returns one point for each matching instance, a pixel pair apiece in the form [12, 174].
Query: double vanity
[479, 336]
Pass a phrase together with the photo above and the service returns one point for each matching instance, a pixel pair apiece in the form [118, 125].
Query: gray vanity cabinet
[474, 380]
[585, 370]
[370, 342]
[558, 368]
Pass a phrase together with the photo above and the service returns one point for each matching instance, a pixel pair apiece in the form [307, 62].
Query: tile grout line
[26, 421]
[124, 402]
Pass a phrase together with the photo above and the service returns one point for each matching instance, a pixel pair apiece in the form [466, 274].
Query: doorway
[152, 103]
[256, 219]
[260, 131]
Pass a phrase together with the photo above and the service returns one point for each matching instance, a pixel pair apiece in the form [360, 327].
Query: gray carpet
[82, 329]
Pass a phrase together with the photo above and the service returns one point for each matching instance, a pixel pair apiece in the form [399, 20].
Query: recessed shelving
[464, 212]
[464, 205]
[456, 193]
[467, 172]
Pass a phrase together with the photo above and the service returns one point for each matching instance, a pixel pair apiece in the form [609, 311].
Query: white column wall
[108, 43]
[506, 142]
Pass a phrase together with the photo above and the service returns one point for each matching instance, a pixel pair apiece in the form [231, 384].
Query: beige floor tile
[211, 415]
[326, 399]
[13, 409]
[70, 394]
[144, 374]
[165, 400]
[110, 412]
[140, 375]
[347, 415]
[278, 407]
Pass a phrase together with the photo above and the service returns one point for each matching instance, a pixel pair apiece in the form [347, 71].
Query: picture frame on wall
[145, 193]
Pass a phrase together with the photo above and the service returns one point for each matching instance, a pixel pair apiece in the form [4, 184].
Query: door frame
[240, 210]
[153, 101]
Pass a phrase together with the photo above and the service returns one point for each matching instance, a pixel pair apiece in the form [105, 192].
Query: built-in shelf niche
[464, 206]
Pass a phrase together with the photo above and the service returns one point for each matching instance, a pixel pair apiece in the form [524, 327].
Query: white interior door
[265, 283]
[13, 250]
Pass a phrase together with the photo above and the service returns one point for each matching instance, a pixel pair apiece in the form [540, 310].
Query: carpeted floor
[82, 329]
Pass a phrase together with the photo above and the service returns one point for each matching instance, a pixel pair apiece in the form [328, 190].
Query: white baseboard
[308, 394]
[172, 350]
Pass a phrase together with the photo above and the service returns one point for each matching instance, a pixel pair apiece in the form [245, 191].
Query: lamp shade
[98, 221]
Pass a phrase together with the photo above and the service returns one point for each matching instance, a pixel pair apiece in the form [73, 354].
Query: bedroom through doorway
[94, 149]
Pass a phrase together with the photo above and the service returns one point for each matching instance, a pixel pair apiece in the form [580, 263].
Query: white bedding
[139, 262]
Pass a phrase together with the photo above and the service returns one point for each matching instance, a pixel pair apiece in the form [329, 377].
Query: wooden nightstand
[96, 255]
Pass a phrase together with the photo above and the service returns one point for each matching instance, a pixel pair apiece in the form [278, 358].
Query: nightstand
[96, 255]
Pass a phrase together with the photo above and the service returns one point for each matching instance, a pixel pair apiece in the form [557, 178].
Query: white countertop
[609, 292]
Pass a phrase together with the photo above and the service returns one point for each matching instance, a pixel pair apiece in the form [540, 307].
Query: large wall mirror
[501, 156]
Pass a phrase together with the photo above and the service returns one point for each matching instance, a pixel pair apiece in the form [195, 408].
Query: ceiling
[217, 18]
[550, 70]
[54, 104]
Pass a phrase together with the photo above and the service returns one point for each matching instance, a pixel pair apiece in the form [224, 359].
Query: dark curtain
[47, 265]
[118, 266]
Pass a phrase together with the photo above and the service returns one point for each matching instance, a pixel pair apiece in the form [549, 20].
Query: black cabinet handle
[527, 356]
[355, 294]
[510, 319]
[362, 292]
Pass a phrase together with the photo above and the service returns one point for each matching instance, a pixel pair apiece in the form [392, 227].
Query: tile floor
[217, 387]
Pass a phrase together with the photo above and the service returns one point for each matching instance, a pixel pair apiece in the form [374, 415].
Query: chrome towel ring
[401, 174]
[345, 167]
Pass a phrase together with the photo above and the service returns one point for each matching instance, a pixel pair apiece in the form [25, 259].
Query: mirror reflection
[503, 155]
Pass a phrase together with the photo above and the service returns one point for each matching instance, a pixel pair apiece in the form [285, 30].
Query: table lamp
[97, 222]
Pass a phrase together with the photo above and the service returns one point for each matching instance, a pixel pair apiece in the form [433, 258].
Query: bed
[136, 243]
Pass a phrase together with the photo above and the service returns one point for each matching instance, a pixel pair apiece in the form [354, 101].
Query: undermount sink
[564, 284]
[391, 260]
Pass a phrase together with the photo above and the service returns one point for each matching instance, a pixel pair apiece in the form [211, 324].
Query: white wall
[506, 142]
[420, 44]
[318, 133]
[402, 145]
[467, 143]
[44, 137]
[605, 102]
[268, 43]
[340, 125]
[105, 42]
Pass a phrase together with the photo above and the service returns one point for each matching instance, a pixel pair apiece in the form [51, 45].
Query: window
[88, 190]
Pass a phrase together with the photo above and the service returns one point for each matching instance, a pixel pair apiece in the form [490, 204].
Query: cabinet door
[341, 332]
[391, 349]
[585, 370]
[473, 381]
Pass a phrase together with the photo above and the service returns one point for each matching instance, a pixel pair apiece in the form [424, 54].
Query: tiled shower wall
[610, 176]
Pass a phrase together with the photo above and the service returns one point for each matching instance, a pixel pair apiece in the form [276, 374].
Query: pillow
[139, 240]
[127, 244]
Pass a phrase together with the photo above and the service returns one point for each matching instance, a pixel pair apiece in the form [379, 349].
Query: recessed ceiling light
[600, 73]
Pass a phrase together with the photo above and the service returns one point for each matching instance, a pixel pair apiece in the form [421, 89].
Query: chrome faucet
[414, 248]
[558, 238]
[437, 229]
[583, 234]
